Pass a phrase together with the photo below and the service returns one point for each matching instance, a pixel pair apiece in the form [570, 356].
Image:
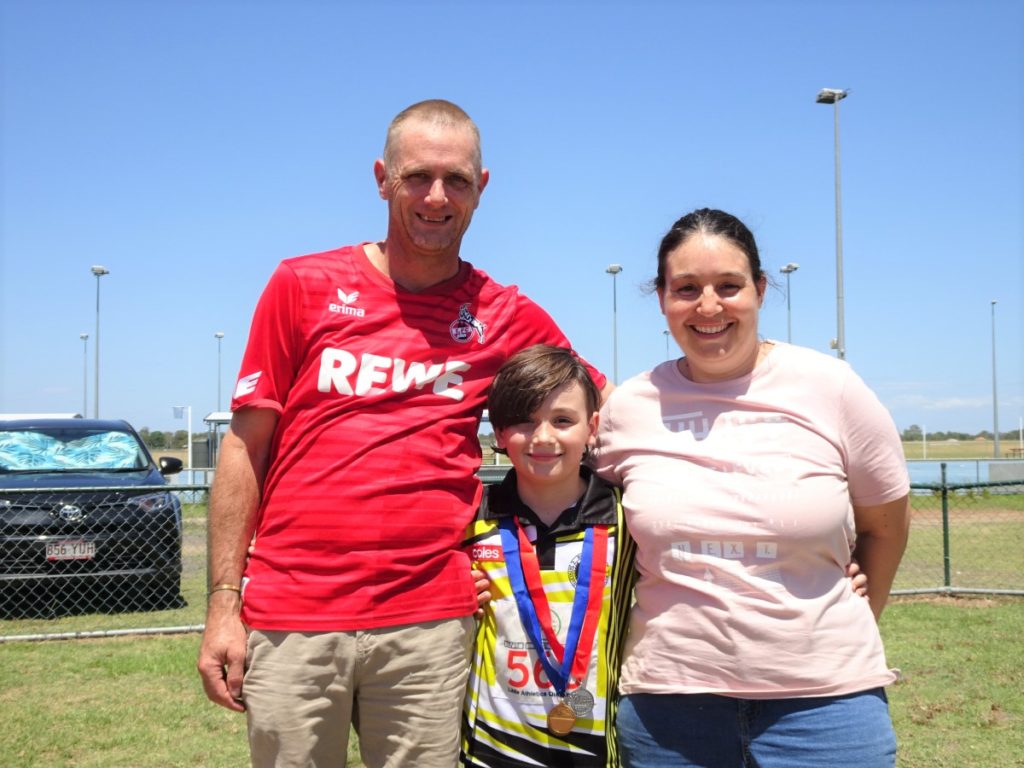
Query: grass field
[960, 702]
[137, 702]
[985, 543]
[957, 449]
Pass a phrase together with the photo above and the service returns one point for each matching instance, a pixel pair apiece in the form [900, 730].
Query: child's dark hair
[528, 377]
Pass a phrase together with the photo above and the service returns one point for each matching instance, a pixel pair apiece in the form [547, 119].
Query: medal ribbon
[535, 612]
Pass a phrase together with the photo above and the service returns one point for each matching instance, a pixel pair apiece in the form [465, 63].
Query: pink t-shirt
[739, 496]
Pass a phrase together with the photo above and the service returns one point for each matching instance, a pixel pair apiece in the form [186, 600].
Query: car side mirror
[170, 465]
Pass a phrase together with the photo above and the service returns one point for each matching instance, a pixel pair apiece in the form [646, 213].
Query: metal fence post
[948, 581]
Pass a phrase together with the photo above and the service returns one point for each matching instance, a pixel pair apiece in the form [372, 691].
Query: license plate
[70, 550]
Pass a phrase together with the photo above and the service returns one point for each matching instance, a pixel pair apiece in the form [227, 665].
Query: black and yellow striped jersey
[509, 696]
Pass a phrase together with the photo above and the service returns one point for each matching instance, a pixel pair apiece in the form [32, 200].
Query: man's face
[432, 186]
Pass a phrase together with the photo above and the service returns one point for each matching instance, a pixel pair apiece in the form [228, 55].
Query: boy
[552, 541]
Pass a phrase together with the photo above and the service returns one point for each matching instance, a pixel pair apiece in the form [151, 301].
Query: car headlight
[151, 502]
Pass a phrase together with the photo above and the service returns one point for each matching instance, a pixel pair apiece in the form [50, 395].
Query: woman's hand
[858, 579]
[483, 595]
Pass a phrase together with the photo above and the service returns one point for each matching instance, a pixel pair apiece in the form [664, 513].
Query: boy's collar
[595, 507]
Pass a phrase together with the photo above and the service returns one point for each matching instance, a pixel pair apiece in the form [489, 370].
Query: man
[346, 480]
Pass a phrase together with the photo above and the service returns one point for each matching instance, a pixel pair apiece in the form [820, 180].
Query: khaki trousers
[402, 688]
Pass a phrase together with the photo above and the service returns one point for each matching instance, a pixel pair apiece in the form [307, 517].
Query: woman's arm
[882, 532]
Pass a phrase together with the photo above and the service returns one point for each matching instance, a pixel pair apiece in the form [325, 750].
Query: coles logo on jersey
[247, 384]
[463, 327]
[345, 307]
[487, 553]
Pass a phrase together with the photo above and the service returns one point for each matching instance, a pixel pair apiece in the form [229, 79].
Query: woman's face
[710, 301]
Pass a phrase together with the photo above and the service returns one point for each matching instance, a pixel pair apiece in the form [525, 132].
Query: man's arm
[882, 532]
[234, 500]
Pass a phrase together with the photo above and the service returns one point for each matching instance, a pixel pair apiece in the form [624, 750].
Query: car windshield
[68, 450]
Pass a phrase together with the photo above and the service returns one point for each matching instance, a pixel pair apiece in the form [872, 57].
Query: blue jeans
[708, 731]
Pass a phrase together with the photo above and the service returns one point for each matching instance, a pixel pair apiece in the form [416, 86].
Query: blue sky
[189, 146]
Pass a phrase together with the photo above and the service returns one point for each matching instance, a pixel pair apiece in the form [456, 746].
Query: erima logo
[247, 384]
[463, 327]
[484, 553]
[345, 308]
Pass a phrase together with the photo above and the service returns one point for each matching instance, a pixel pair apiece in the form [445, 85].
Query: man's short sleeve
[535, 326]
[272, 354]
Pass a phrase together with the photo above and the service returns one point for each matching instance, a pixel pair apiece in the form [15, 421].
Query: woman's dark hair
[528, 377]
[708, 221]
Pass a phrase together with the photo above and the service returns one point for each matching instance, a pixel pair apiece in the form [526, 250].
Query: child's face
[548, 448]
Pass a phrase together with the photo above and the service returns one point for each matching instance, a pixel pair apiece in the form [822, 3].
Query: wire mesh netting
[86, 561]
[966, 538]
[102, 559]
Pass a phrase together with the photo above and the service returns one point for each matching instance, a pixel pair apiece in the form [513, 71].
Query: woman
[752, 471]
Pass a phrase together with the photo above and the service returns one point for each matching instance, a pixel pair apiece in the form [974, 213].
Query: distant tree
[936, 436]
[913, 432]
[144, 434]
[180, 439]
[157, 439]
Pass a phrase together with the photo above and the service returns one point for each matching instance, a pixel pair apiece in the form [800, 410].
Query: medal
[580, 701]
[564, 665]
[561, 719]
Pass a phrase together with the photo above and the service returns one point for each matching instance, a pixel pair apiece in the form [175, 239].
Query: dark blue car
[86, 520]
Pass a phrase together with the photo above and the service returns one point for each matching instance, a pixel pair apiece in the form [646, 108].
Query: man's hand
[234, 499]
[483, 595]
[221, 661]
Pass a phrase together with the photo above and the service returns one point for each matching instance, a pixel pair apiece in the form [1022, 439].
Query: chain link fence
[87, 562]
[964, 538]
[100, 561]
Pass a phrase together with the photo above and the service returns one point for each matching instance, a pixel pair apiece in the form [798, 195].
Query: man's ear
[380, 173]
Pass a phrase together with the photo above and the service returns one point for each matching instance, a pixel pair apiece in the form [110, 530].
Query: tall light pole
[85, 373]
[613, 270]
[99, 272]
[787, 271]
[219, 336]
[667, 355]
[995, 400]
[834, 96]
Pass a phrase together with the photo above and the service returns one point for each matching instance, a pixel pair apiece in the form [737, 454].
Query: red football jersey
[371, 481]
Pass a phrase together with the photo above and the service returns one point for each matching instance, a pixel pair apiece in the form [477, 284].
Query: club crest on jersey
[463, 328]
[345, 307]
[574, 570]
